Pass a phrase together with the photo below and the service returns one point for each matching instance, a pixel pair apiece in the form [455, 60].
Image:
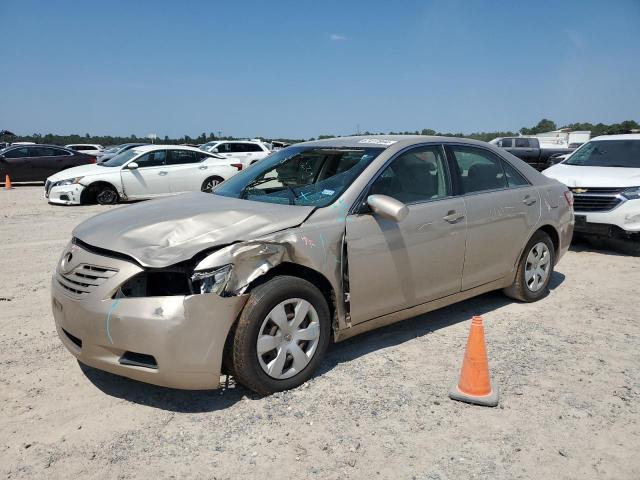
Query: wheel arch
[309, 274]
[553, 234]
[88, 195]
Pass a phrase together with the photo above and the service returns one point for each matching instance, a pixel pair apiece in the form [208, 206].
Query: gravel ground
[567, 369]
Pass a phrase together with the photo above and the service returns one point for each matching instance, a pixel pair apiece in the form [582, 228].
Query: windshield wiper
[293, 196]
[255, 183]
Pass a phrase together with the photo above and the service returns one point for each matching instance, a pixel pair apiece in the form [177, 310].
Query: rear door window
[479, 170]
[514, 177]
[522, 143]
[252, 147]
[152, 159]
[179, 157]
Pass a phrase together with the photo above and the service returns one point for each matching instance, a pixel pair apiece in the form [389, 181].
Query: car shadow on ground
[607, 246]
[197, 401]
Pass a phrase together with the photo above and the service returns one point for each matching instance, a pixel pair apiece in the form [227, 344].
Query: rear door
[393, 266]
[186, 171]
[502, 209]
[254, 153]
[46, 162]
[150, 179]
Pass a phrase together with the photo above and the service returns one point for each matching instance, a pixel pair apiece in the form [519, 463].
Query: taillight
[237, 165]
[568, 196]
[94, 160]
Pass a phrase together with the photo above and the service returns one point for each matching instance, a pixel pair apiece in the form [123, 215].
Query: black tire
[210, 183]
[519, 290]
[106, 195]
[242, 352]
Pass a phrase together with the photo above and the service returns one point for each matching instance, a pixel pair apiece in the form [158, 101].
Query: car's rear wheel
[106, 195]
[210, 183]
[534, 269]
[281, 336]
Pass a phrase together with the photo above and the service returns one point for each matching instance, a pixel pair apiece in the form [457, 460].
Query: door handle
[452, 216]
[162, 173]
[528, 201]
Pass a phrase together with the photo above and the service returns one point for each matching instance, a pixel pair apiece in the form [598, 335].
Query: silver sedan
[319, 241]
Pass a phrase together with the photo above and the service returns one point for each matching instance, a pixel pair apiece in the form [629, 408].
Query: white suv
[247, 152]
[142, 172]
[604, 176]
[87, 148]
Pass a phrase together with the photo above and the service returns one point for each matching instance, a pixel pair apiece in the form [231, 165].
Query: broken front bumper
[65, 194]
[173, 341]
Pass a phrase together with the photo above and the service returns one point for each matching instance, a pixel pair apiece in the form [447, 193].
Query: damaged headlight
[70, 181]
[212, 281]
[632, 193]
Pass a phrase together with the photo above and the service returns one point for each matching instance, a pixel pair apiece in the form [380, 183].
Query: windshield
[607, 153]
[207, 147]
[120, 159]
[300, 175]
[114, 149]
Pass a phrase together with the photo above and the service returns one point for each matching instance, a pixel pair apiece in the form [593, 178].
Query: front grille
[84, 278]
[593, 203]
[596, 199]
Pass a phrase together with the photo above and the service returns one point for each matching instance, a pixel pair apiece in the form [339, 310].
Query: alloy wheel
[210, 185]
[106, 197]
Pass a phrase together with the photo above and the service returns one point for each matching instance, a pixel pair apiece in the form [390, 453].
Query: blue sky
[300, 69]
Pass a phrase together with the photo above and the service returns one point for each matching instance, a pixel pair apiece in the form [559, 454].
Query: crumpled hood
[162, 232]
[579, 176]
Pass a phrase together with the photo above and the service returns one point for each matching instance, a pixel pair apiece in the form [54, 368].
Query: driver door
[150, 179]
[393, 266]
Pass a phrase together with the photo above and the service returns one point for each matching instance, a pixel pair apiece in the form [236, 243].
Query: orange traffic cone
[474, 385]
[7, 182]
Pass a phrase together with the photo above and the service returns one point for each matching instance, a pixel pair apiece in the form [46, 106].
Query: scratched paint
[114, 305]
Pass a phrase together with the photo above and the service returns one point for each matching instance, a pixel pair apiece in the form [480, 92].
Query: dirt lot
[567, 369]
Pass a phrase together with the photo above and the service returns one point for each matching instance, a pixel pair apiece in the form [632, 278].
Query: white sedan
[143, 172]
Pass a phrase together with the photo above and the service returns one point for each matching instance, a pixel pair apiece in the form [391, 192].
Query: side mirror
[388, 207]
[132, 166]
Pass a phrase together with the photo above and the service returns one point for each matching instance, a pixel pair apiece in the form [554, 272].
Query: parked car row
[141, 172]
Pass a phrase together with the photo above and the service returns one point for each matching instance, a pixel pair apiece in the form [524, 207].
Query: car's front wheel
[534, 269]
[106, 195]
[281, 335]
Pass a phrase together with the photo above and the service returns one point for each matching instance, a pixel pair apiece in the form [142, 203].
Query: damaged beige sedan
[318, 242]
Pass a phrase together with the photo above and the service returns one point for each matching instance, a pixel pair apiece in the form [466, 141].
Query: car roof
[150, 148]
[624, 136]
[385, 141]
[37, 145]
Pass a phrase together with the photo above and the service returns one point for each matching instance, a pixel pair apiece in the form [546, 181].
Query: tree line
[544, 125]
